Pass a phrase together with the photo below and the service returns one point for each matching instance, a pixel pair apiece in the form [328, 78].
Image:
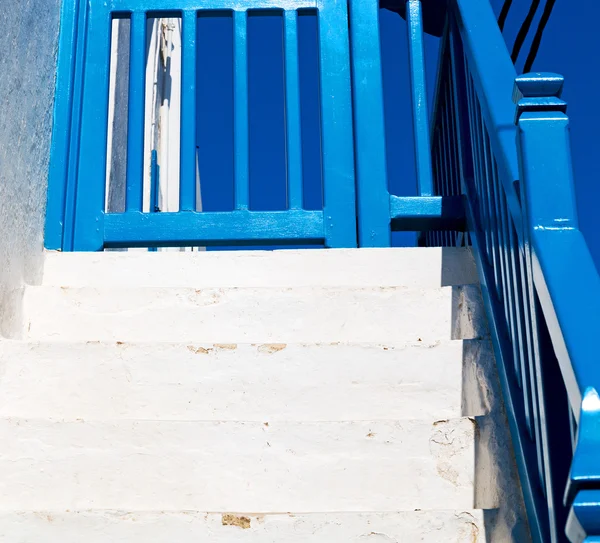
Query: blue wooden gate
[76, 216]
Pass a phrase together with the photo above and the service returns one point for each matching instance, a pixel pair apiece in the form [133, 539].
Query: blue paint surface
[538, 279]
[570, 45]
[266, 109]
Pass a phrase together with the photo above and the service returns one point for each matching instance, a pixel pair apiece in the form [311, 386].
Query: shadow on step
[497, 486]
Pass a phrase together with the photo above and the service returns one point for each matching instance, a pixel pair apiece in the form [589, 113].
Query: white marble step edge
[411, 267]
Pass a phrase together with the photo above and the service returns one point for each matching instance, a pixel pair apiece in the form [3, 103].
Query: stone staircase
[294, 396]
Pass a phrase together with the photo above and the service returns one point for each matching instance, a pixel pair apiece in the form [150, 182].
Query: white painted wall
[27, 78]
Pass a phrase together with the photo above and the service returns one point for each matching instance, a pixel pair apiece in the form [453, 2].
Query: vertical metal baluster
[477, 169]
[503, 219]
[452, 172]
[487, 197]
[524, 332]
[439, 235]
[455, 139]
[446, 153]
[496, 229]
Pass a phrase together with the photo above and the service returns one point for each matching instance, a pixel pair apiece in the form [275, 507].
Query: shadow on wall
[28, 68]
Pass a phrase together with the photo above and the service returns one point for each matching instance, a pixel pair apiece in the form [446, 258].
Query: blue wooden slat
[88, 231]
[136, 111]
[419, 97]
[67, 102]
[293, 120]
[240, 111]
[211, 228]
[336, 124]
[75, 135]
[369, 137]
[187, 194]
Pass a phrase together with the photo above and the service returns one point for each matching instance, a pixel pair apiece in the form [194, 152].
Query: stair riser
[189, 526]
[285, 467]
[302, 315]
[416, 267]
[235, 382]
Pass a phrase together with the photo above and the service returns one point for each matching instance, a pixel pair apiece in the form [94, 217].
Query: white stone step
[225, 466]
[459, 526]
[414, 267]
[263, 383]
[238, 315]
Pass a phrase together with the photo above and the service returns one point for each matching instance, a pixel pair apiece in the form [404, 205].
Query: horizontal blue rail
[540, 286]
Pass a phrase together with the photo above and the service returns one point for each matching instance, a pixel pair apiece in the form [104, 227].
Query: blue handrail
[539, 283]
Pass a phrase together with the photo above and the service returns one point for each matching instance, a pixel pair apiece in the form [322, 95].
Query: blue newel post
[551, 228]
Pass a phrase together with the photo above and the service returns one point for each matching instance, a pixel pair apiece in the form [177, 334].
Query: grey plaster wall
[27, 77]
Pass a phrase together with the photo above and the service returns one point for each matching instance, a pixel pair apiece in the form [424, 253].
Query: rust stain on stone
[197, 350]
[235, 520]
[272, 347]
[226, 346]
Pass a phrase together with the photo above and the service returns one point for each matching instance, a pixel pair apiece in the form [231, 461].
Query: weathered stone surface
[264, 382]
[27, 82]
[239, 315]
[237, 466]
[460, 526]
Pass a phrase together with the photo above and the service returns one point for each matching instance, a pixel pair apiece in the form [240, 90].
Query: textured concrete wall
[27, 77]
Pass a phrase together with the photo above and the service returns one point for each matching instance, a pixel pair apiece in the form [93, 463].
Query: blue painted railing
[358, 208]
[511, 162]
[76, 215]
[379, 211]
